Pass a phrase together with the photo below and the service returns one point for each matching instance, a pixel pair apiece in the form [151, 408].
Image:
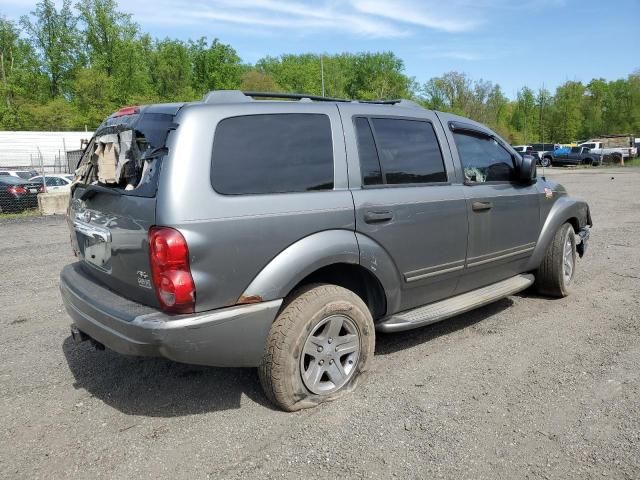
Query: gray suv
[283, 231]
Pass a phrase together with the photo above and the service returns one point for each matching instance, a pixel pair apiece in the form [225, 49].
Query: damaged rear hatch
[113, 200]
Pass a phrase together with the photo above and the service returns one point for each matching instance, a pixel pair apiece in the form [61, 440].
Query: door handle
[378, 216]
[480, 206]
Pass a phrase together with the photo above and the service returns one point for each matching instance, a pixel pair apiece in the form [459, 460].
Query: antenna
[322, 72]
[542, 128]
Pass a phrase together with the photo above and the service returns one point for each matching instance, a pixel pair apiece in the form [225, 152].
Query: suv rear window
[149, 130]
[272, 153]
[400, 151]
[543, 147]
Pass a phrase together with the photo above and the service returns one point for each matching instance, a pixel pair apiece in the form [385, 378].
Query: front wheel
[319, 345]
[555, 275]
[545, 162]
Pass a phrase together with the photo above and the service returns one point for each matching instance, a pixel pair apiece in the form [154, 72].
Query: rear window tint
[369, 162]
[273, 153]
[409, 151]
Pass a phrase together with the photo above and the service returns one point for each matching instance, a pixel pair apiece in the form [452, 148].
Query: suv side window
[483, 158]
[54, 181]
[272, 153]
[406, 152]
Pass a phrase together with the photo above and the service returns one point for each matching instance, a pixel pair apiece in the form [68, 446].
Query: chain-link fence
[35, 162]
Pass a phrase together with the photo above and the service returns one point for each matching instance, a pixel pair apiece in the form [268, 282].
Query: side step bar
[434, 312]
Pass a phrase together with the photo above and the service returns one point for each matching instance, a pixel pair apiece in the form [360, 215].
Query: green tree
[215, 67]
[544, 101]
[378, 76]
[54, 36]
[566, 113]
[294, 73]
[171, 70]
[593, 105]
[105, 31]
[257, 81]
[525, 115]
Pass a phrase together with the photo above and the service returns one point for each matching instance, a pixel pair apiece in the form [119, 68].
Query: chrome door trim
[500, 255]
[429, 272]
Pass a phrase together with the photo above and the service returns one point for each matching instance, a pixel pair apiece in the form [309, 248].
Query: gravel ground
[524, 388]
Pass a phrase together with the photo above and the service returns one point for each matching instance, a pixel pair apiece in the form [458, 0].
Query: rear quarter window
[272, 153]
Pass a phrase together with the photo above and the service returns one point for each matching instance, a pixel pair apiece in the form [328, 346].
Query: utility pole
[322, 72]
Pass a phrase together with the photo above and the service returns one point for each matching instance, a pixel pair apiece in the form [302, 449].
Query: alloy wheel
[330, 355]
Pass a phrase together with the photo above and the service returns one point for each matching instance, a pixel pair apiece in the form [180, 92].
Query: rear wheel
[555, 275]
[545, 162]
[318, 347]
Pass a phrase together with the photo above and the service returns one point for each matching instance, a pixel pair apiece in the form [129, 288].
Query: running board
[434, 312]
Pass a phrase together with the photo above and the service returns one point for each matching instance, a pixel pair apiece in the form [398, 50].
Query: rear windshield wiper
[91, 190]
[155, 153]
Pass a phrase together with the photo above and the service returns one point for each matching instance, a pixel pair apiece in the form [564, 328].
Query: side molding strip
[500, 255]
[429, 272]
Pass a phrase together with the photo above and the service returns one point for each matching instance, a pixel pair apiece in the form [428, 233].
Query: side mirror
[527, 172]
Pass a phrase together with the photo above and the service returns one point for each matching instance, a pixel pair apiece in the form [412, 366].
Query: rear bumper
[228, 337]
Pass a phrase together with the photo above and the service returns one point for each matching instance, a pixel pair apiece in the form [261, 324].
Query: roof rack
[229, 96]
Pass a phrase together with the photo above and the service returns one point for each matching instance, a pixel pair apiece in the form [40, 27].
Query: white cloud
[429, 14]
[272, 14]
[363, 18]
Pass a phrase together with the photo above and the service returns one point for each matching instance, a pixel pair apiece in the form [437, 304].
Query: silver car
[284, 233]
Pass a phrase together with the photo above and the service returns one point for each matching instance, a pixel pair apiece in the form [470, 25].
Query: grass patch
[633, 162]
[25, 213]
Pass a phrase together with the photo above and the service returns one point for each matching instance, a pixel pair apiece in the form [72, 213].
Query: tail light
[17, 190]
[41, 189]
[172, 280]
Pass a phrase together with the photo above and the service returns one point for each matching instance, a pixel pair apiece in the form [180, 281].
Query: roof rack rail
[229, 96]
[294, 96]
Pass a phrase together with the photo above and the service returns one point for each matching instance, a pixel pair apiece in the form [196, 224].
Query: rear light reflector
[126, 111]
[170, 271]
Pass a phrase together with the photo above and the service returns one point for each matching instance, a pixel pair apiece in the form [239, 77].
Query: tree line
[68, 67]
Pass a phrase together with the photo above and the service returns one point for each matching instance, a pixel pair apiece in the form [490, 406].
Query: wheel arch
[332, 256]
[565, 210]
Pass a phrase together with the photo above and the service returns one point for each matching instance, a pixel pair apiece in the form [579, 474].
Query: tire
[545, 162]
[554, 277]
[303, 341]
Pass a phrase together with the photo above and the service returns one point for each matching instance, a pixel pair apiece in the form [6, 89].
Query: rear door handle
[480, 206]
[378, 216]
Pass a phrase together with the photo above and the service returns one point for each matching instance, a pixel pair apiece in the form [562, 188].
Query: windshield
[25, 175]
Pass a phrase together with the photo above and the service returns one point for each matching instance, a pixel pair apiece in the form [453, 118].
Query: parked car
[24, 174]
[284, 234]
[17, 194]
[545, 152]
[527, 150]
[55, 182]
[614, 153]
[576, 156]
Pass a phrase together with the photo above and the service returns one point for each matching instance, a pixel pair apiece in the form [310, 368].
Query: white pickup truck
[607, 149]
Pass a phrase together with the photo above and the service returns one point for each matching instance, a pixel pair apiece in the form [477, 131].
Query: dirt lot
[525, 388]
